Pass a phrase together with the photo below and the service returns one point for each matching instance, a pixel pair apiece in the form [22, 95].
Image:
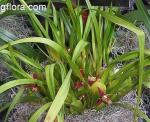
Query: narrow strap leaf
[39, 112]
[79, 48]
[14, 83]
[49, 71]
[14, 102]
[53, 45]
[59, 99]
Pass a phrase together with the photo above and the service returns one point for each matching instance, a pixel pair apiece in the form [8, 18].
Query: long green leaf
[59, 99]
[14, 102]
[146, 84]
[62, 70]
[14, 83]
[143, 13]
[38, 113]
[79, 48]
[141, 40]
[35, 19]
[7, 36]
[61, 51]
[16, 63]
[49, 71]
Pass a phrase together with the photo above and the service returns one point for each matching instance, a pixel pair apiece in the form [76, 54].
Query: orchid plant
[75, 42]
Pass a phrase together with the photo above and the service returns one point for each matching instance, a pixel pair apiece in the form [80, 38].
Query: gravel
[16, 25]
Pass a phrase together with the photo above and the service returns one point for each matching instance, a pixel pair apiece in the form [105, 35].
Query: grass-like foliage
[76, 43]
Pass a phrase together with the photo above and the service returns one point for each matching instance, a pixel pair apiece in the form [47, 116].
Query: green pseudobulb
[94, 87]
